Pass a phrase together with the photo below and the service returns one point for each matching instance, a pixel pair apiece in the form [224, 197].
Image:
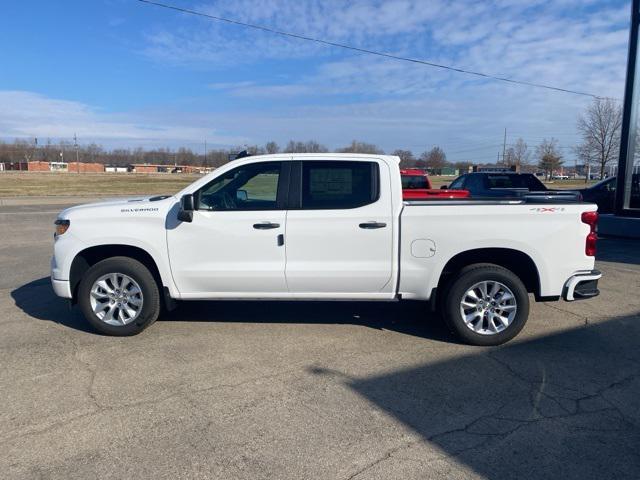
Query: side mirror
[187, 206]
[444, 187]
[242, 196]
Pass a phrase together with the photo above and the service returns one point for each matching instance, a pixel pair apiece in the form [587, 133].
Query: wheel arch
[90, 256]
[521, 264]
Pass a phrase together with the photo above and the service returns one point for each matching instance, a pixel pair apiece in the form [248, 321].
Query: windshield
[414, 181]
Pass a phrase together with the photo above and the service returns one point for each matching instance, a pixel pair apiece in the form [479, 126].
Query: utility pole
[75, 145]
[205, 153]
[504, 145]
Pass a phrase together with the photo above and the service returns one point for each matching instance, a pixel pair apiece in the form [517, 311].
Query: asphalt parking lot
[321, 390]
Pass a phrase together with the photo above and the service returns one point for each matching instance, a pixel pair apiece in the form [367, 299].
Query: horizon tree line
[599, 129]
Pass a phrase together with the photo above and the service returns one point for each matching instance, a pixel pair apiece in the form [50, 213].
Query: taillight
[591, 219]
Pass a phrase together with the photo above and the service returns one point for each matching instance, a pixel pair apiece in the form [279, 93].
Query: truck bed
[551, 234]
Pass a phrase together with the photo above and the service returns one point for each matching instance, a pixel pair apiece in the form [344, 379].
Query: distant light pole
[504, 145]
[75, 145]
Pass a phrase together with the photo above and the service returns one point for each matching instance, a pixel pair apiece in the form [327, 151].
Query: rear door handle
[265, 226]
[372, 225]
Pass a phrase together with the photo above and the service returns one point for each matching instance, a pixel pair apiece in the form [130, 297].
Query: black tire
[465, 280]
[142, 276]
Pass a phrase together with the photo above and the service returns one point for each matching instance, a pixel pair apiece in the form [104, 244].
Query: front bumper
[61, 288]
[582, 286]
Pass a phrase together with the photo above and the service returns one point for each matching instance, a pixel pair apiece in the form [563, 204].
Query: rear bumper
[582, 286]
[61, 288]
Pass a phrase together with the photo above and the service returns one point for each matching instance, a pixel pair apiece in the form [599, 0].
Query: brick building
[38, 166]
[74, 167]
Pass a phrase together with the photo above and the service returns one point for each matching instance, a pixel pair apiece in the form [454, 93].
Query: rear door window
[474, 183]
[515, 181]
[339, 185]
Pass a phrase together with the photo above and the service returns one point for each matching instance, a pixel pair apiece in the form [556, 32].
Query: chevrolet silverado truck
[323, 227]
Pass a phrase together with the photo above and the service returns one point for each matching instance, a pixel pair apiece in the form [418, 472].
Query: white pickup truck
[323, 227]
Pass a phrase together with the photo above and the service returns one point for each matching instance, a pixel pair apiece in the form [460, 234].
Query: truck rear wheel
[486, 305]
[119, 296]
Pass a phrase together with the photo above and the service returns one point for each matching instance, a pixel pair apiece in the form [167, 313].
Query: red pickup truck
[416, 185]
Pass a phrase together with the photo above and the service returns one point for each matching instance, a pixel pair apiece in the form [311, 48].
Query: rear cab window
[410, 182]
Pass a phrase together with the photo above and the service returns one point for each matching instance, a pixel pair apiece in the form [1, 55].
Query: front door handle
[265, 226]
[372, 225]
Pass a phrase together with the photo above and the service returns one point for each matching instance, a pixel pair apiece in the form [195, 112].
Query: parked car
[416, 185]
[510, 185]
[322, 227]
[603, 193]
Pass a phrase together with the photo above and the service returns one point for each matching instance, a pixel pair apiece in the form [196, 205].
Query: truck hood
[132, 204]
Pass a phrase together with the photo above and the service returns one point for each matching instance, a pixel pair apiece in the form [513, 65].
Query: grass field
[13, 184]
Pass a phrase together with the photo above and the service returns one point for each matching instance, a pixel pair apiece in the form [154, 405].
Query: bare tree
[272, 147]
[517, 155]
[586, 157]
[360, 147]
[600, 130]
[463, 166]
[407, 159]
[253, 150]
[549, 157]
[435, 159]
[310, 146]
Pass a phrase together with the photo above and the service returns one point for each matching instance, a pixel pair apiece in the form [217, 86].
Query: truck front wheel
[486, 305]
[119, 296]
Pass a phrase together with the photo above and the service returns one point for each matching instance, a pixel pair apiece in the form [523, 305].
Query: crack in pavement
[537, 387]
[106, 408]
[555, 307]
[388, 454]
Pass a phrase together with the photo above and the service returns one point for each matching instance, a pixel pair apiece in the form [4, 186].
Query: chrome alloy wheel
[488, 307]
[116, 299]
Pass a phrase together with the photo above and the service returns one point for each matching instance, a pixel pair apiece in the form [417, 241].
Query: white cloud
[561, 43]
[27, 114]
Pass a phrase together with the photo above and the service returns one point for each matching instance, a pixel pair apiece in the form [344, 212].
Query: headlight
[61, 227]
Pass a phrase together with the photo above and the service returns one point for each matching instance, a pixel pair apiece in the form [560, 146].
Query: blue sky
[121, 73]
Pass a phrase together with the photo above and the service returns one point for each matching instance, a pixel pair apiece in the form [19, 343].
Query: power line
[370, 52]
